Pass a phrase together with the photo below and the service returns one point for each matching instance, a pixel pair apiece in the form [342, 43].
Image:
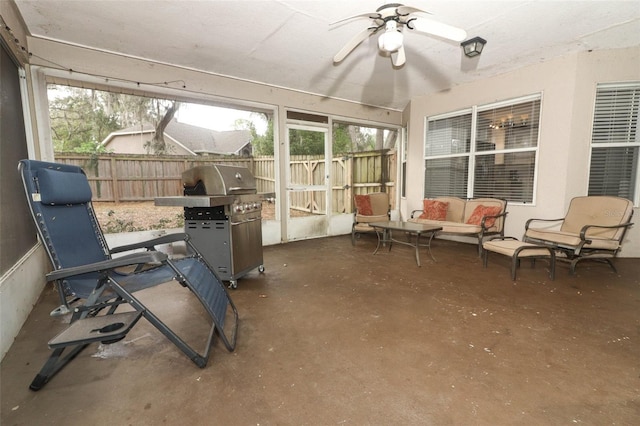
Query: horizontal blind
[447, 146]
[446, 177]
[615, 143]
[614, 171]
[448, 136]
[506, 145]
[508, 127]
[615, 119]
[513, 180]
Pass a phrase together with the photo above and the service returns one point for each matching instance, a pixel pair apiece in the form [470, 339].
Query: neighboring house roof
[195, 139]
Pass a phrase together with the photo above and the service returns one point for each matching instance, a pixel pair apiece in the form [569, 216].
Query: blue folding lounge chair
[91, 286]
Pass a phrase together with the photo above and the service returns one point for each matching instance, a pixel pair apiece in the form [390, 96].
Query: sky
[210, 117]
[216, 118]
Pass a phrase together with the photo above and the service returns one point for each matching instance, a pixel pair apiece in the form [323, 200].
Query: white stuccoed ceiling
[290, 43]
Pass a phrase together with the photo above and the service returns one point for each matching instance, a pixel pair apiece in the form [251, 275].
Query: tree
[341, 139]
[132, 110]
[157, 144]
[350, 138]
[306, 142]
[262, 144]
[346, 138]
[79, 122]
[82, 118]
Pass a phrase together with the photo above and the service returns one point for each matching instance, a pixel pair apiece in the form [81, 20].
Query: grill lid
[218, 179]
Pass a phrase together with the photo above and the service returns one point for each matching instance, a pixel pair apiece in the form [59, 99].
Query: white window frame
[468, 154]
[635, 144]
[473, 154]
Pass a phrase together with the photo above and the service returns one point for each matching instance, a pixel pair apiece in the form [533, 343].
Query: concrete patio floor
[333, 335]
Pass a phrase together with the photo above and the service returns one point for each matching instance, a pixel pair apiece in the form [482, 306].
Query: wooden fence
[124, 177]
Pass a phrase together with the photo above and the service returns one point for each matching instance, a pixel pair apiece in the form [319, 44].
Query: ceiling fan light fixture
[391, 39]
[389, 23]
[473, 46]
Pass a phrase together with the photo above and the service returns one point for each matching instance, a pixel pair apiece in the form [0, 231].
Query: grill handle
[244, 221]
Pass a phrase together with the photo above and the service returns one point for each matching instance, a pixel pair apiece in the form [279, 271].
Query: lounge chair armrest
[127, 260]
[503, 215]
[585, 229]
[526, 225]
[414, 212]
[150, 244]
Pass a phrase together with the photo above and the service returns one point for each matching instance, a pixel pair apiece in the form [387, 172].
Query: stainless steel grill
[222, 212]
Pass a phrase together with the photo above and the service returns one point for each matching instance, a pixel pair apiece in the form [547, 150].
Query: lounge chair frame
[90, 282]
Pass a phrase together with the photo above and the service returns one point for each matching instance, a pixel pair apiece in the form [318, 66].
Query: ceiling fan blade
[436, 28]
[370, 15]
[398, 58]
[353, 43]
[406, 10]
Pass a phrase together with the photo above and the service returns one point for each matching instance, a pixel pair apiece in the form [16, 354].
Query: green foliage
[163, 223]
[346, 138]
[79, 123]
[341, 140]
[168, 223]
[82, 118]
[350, 138]
[116, 225]
[306, 142]
[263, 144]
[179, 221]
[365, 142]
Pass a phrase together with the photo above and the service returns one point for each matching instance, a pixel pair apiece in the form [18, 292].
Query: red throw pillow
[476, 216]
[363, 204]
[491, 211]
[481, 211]
[434, 210]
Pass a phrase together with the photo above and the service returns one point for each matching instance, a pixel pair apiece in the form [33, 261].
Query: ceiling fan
[389, 20]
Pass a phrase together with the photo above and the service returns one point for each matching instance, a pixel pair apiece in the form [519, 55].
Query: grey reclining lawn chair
[89, 283]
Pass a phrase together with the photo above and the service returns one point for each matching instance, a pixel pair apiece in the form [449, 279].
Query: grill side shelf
[194, 201]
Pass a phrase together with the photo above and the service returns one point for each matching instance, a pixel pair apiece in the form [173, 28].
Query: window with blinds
[489, 151]
[615, 142]
[447, 151]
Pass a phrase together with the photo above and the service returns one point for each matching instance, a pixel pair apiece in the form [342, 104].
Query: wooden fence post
[114, 180]
[349, 184]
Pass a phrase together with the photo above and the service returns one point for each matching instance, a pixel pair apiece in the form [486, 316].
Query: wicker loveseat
[476, 217]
